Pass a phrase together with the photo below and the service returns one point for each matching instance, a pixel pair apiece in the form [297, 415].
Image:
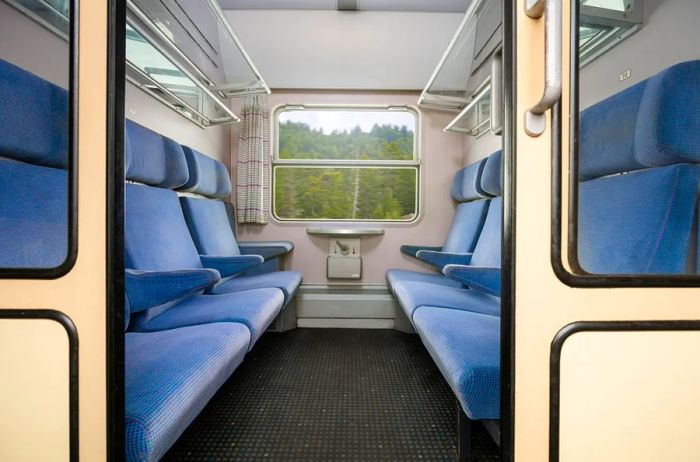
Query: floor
[331, 394]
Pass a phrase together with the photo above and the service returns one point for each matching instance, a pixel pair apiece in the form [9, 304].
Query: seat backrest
[487, 252]
[156, 237]
[642, 221]
[33, 170]
[206, 216]
[471, 211]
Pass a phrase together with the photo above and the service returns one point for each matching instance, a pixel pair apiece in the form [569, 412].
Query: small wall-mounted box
[338, 267]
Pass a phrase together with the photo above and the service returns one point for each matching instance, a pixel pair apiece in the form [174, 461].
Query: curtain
[253, 174]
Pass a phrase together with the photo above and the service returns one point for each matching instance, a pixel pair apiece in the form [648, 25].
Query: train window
[346, 164]
[635, 174]
[37, 142]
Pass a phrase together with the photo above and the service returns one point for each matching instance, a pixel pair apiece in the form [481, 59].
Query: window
[346, 164]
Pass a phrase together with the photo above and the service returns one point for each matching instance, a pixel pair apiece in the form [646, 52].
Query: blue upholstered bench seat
[169, 378]
[466, 348]
[394, 276]
[209, 224]
[256, 309]
[413, 295]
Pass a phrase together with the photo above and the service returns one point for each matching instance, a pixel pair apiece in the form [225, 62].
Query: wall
[372, 50]
[42, 52]
[474, 149]
[441, 158]
[669, 35]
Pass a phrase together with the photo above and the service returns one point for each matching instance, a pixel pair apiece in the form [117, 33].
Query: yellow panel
[630, 396]
[34, 391]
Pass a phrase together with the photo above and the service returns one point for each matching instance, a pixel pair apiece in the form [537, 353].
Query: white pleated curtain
[253, 167]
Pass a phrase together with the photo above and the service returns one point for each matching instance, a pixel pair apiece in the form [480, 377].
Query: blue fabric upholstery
[287, 281]
[207, 176]
[156, 237]
[412, 250]
[148, 289]
[256, 309]
[394, 276]
[33, 119]
[169, 378]
[33, 177]
[231, 266]
[466, 348]
[638, 223]
[466, 185]
[606, 134]
[154, 159]
[268, 249]
[492, 177]
[33, 215]
[412, 295]
[440, 259]
[487, 252]
[465, 228]
[668, 127]
[209, 226]
[487, 280]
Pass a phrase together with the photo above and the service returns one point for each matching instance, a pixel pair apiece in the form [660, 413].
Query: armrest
[412, 250]
[481, 278]
[146, 289]
[230, 266]
[266, 249]
[440, 259]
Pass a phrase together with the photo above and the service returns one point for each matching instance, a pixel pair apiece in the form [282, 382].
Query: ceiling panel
[437, 6]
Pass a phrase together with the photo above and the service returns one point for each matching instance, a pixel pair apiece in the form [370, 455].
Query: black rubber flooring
[331, 394]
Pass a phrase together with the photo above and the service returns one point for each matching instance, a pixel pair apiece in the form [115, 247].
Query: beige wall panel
[34, 391]
[630, 396]
[441, 155]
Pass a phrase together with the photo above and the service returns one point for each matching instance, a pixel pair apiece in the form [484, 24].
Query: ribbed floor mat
[327, 395]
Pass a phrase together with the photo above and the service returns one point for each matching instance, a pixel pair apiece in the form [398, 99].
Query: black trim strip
[508, 300]
[579, 277]
[73, 366]
[73, 121]
[592, 326]
[116, 43]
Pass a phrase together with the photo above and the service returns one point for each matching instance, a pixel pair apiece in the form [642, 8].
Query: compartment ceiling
[434, 6]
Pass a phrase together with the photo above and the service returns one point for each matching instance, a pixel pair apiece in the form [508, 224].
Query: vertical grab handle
[535, 120]
[497, 93]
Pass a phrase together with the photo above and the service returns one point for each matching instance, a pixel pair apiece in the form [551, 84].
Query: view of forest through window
[357, 189]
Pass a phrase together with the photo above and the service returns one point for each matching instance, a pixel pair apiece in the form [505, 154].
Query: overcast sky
[347, 120]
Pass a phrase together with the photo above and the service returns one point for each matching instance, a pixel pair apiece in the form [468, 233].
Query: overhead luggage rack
[185, 53]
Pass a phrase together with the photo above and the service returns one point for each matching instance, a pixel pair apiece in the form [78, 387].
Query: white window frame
[414, 163]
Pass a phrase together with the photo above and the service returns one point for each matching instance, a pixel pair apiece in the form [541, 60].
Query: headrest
[492, 178]
[33, 118]
[668, 126]
[153, 159]
[653, 123]
[208, 177]
[466, 185]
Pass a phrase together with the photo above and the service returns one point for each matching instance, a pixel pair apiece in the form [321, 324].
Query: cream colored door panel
[35, 394]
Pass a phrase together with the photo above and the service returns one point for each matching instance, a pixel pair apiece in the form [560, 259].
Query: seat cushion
[287, 281]
[255, 308]
[412, 295]
[170, 376]
[466, 348]
[394, 276]
[209, 226]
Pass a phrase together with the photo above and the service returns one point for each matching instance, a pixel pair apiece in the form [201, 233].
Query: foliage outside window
[346, 164]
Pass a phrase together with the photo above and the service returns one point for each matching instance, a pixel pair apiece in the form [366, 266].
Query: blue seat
[486, 255]
[209, 225]
[466, 348]
[169, 378]
[33, 170]
[463, 233]
[642, 222]
[165, 274]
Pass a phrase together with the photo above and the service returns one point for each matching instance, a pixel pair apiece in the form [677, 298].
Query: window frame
[414, 163]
